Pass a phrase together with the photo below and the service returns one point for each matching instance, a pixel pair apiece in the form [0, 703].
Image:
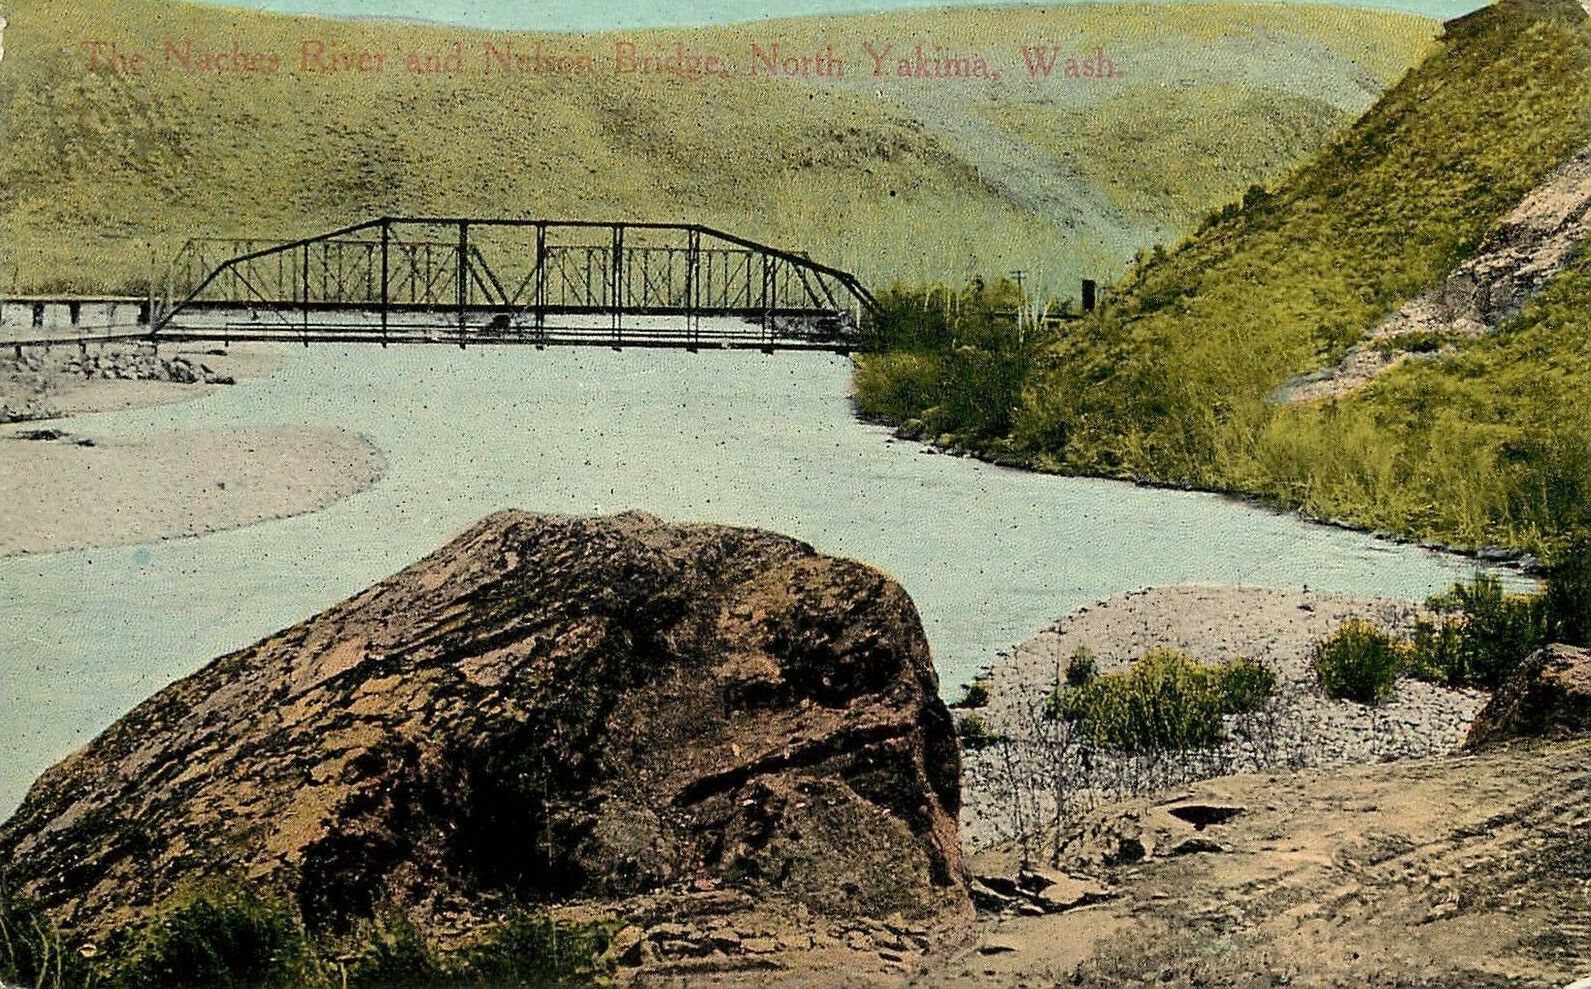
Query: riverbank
[1000, 455]
[82, 488]
[1007, 789]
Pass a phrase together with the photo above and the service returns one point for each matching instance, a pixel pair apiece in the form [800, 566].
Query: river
[989, 554]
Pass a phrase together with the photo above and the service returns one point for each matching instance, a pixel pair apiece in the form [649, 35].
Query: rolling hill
[104, 172]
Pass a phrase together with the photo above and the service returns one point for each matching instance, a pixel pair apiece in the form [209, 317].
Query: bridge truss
[543, 282]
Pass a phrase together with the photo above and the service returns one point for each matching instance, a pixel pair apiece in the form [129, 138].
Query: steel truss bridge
[499, 281]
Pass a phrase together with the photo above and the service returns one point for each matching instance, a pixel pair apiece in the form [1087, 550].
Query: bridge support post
[464, 279]
[616, 287]
[305, 270]
[693, 288]
[386, 271]
[769, 277]
[541, 284]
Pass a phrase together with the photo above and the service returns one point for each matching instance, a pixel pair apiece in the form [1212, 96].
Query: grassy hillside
[99, 172]
[1171, 383]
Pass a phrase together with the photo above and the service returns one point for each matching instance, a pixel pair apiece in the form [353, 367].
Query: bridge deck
[660, 332]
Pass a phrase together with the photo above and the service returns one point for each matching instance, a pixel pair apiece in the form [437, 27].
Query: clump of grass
[224, 936]
[530, 949]
[1167, 701]
[1482, 634]
[32, 952]
[1081, 667]
[974, 732]
[974, 695]
[1359, 662]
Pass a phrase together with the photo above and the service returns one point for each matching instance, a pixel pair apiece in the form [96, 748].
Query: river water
[990, 555]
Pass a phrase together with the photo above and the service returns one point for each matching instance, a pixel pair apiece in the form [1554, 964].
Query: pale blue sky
[595, 15]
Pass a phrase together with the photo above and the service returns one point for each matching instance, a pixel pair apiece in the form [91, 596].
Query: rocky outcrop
[1549, 695]
[1526, 249]
[31, 381]
[545, 710]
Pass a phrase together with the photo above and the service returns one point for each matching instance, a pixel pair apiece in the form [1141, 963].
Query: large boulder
[546, 709]
[1549, 695]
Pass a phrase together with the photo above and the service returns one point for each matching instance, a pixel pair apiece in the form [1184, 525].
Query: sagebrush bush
[1081, 667]
[1245, 685]
[1496, 630]
[1568, 602]
[1358, 662]
[974, 695]
[974, 732]
[1166, 701]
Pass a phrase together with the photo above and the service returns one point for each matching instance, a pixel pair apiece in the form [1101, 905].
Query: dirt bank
[61, 491]
[1444, 873]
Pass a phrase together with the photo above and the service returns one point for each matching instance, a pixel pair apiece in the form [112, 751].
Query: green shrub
[32, 952]
[1568, 599]
[974, 732]
[1081, 668]
[1436, 653]
[1245, 685]
[1498, 630]
[1167, 701]
[221, 938]
[1358, 662]
[392, 953]
[974, 695]
[225, 937]
[958, 361]
[530, 949]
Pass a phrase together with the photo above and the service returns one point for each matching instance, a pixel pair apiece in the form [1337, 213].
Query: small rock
[1196, 846]
[997, 946]
[625, 948]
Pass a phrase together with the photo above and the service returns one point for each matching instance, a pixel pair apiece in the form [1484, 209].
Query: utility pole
[1020, 275]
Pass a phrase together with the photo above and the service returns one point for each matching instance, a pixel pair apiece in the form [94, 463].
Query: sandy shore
[63, 493]
[63, 490]
[1212, 623]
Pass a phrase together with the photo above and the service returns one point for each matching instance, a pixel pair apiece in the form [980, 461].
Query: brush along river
[990, 555]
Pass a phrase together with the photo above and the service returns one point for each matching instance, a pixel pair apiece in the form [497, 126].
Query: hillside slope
[1172, 382]
[898, 178]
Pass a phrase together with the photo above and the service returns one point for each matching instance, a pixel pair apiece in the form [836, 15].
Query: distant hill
[900, 179]
[1479, 439]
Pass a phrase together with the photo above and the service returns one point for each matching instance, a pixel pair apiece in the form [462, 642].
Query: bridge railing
[500, 278]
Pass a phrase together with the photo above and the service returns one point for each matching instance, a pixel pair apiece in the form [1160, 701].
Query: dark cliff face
[547, 708]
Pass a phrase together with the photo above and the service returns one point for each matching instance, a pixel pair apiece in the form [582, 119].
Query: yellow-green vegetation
[974, 695]
[974, 733]
[1358, 662]
[101, 172]
[228, 937]
[1165, 702]
[1168, 161]
[1477, 637]
[1171, 382]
